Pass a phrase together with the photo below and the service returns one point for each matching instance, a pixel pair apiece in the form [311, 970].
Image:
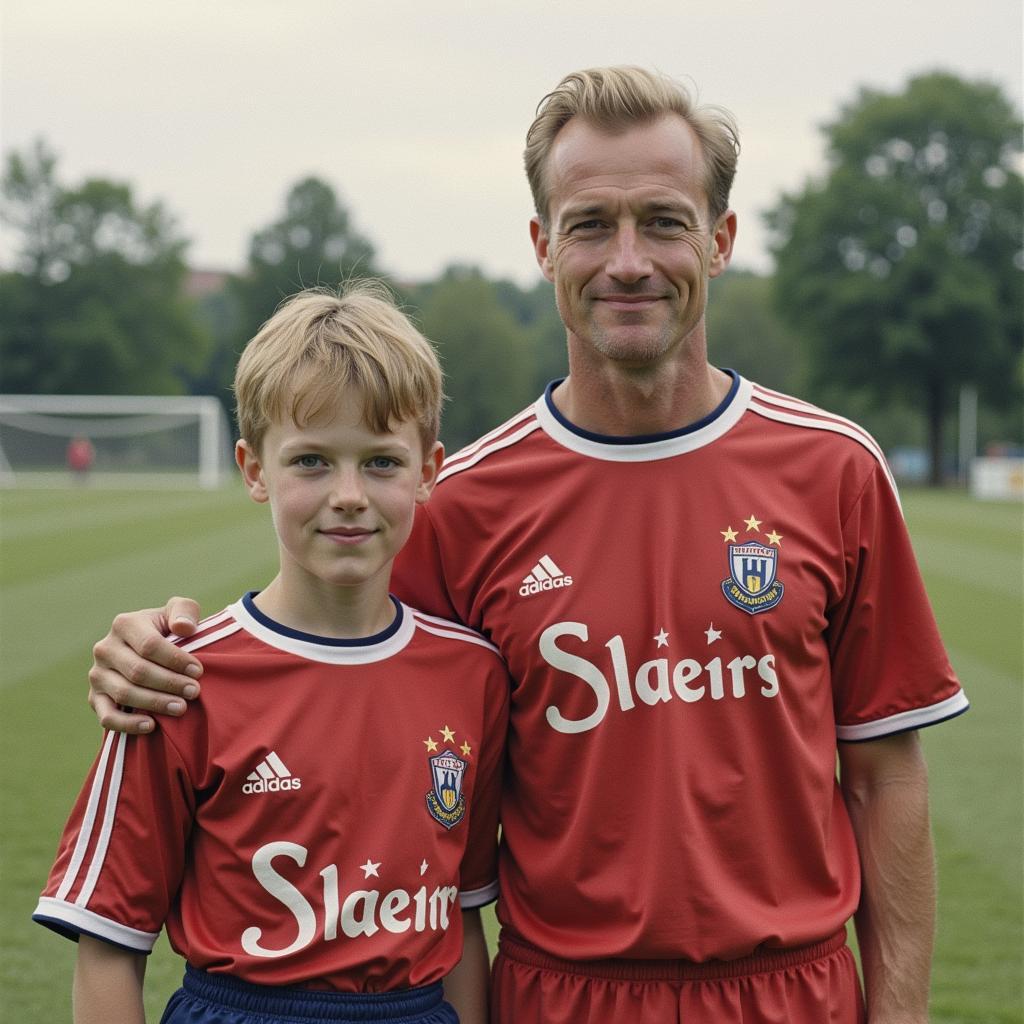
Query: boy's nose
[347, 491]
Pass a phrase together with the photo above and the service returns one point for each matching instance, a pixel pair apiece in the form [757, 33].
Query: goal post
[113, 440]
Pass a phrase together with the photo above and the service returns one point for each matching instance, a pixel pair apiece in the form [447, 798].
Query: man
[699, 587]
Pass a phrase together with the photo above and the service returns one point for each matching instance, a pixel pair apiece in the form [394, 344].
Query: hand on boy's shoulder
[137, 666]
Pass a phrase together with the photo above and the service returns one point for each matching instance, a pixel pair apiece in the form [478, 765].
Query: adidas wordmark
[270, 776]
[545, 575]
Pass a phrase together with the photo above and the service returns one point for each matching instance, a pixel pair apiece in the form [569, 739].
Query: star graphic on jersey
[369, 868]
[775, 538]
[729, 533]
[447, 735]
[431, 744]
[753, 525]
[423, 868]
[662, 638]
[466, 749]
[712, 634]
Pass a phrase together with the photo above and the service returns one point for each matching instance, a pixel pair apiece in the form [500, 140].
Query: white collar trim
[330, 654]
[646, 451]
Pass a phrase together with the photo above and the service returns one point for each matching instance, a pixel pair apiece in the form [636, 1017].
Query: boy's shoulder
[449, 631]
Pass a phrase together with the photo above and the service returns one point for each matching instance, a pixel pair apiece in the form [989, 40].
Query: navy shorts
[218, 999]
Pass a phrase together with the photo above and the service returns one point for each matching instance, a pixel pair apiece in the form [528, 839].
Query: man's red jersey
[312, 820]
[691, 622]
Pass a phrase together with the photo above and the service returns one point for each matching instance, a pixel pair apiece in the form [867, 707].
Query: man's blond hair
[320, 345]
[616, 98]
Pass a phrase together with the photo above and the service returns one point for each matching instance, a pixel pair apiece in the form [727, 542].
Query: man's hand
[136, 666]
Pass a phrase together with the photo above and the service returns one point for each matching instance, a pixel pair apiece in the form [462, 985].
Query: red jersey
[314, 817]
[691, 621]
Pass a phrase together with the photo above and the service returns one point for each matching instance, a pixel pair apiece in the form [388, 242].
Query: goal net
[113, 441]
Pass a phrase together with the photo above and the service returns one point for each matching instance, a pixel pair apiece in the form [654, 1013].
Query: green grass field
[71, 559]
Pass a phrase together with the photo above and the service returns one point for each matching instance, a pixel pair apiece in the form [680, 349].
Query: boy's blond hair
[616, 98]
[320, 344]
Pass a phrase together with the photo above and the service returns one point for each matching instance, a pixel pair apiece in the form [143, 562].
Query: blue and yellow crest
[752, 584]
[445, 801]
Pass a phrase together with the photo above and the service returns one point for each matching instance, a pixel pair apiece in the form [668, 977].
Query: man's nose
[628, 260]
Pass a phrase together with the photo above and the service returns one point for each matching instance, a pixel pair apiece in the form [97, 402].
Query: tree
[487, 357]
[746, 333]
[312, 243]
[95, 302]
[902, 266]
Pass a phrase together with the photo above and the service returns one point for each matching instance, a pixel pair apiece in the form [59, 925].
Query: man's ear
[428, 474]
[252, 471]
[541, 247]
[722, 242]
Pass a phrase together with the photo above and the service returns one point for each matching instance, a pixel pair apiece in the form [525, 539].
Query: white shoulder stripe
[437, 620]
[490, 449]
[454, 634]
[109, 813]
[195, 645]
[207, 623]
[916, 718]
[89, 817]
[785, 402]
[471, 449]
[835, 427]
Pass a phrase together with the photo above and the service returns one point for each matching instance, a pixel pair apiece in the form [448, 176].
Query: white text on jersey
[363, 911]
[654, 681]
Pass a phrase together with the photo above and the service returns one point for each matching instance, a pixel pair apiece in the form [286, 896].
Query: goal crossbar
[205, 409]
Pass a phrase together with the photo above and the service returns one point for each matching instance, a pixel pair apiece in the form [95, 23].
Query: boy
[307, 836]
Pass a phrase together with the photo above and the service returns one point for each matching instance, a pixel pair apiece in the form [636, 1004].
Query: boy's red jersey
[691, 621]
[315, 817]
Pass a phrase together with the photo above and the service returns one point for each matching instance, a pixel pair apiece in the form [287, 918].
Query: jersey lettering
[654, 682]
[361, 912]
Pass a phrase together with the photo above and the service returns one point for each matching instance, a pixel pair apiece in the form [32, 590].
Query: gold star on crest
[729, 534]
[431, 745]
[447, 735]
[754, 525]
[775, 538]
[466, 749]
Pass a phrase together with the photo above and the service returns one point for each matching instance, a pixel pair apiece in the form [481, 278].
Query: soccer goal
[113, 441]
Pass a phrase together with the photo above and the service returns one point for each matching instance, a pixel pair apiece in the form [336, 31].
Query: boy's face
[342, 497]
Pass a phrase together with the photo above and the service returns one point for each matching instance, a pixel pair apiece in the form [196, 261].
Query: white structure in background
[998, 478]
[145, 441]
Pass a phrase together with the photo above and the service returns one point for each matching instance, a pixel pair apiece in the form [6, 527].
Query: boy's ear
[252, 471]
[428, 475]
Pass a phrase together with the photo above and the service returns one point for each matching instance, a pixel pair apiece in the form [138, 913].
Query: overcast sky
[416, 111]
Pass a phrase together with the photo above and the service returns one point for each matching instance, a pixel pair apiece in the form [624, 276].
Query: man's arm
[108, 984]
[885, 785]
[135, 666]
[466, 986]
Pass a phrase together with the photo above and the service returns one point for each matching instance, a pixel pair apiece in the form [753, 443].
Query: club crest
[752, 584]
[445, 801]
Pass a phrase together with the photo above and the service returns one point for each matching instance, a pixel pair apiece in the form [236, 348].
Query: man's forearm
[886, 789]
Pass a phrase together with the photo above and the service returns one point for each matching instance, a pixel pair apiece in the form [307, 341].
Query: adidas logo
[270, 777]
[545, 575]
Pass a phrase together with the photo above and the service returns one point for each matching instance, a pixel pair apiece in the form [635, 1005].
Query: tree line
[898, 280]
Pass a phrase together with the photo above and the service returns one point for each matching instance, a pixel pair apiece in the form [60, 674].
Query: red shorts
[815, 984]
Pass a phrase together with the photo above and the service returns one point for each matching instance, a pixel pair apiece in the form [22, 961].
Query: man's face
[630, 246]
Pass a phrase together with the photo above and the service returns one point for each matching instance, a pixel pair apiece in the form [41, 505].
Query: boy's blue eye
[308, 461]
[382, 462]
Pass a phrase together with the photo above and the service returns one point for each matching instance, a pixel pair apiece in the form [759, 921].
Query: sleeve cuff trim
[916, 718]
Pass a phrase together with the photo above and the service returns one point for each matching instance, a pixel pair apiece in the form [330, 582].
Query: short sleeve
[122, 853]
[478, 873]
[890, 671]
